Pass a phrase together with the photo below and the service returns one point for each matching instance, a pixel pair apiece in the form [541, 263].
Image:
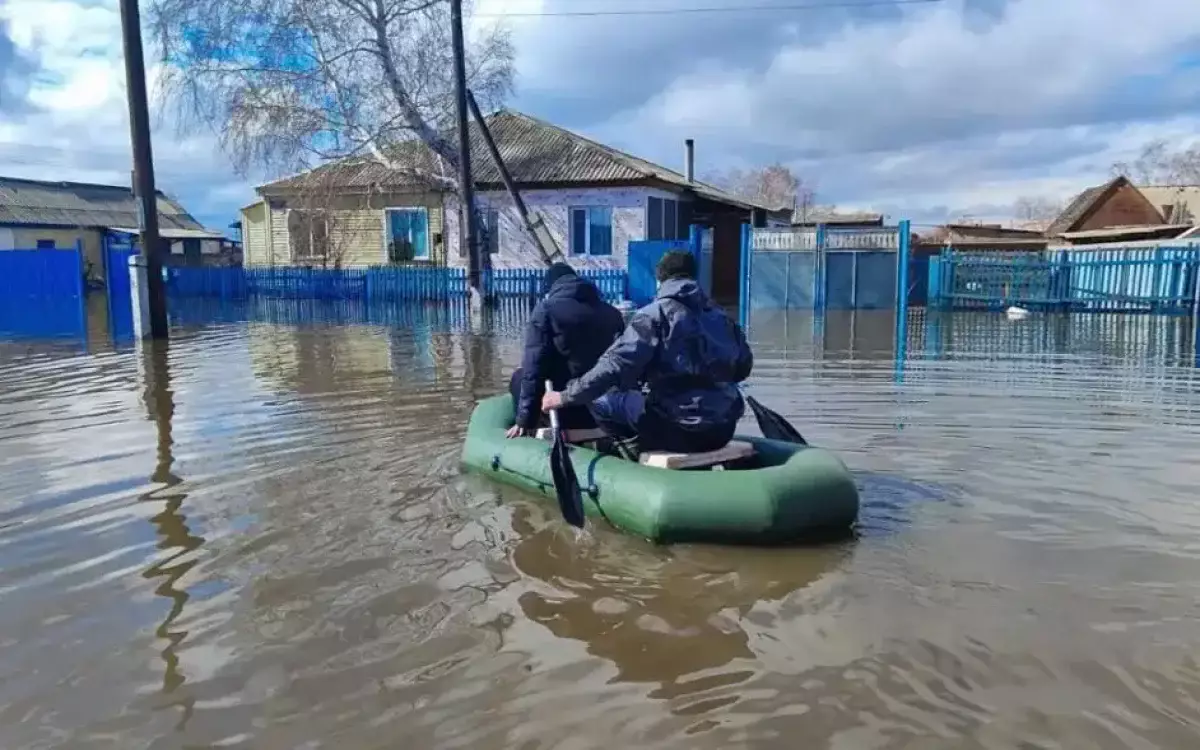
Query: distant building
[43, 215]
[811, 216]
[1119, 211]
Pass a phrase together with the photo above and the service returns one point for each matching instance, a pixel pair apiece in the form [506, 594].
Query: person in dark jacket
[569, 329]
[687, 353]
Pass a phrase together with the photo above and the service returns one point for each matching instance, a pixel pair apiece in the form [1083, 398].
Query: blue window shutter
[669, 221]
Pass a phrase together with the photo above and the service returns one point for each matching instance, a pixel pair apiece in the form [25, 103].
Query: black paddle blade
[773, 426]
[566, 484]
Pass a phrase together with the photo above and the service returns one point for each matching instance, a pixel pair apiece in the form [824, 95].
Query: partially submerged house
[593, 198]
[46, 215]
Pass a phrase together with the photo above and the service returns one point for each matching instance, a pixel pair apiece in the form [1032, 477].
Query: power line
[717, 9]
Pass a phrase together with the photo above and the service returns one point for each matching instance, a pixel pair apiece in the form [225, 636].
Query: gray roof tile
[77, 204]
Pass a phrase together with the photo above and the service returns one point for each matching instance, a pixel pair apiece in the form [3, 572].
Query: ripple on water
[258, 537]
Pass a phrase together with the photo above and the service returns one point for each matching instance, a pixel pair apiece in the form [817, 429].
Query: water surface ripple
[258, 537]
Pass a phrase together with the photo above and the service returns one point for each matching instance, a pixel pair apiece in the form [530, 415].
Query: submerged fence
[1154, 279]
[400, 283]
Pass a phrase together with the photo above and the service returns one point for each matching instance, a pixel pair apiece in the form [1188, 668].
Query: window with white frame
[308, 235]
[406, 234]
[667, 219]
[590, 230]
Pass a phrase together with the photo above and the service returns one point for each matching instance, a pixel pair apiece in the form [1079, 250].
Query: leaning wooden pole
[542, 238]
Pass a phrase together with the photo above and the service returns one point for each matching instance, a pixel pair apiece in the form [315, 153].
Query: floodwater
[258, 537]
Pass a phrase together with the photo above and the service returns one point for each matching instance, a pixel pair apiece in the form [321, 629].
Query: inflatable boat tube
[783, 493]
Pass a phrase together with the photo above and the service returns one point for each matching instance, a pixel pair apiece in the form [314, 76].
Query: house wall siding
[254, 236]
[517, 248]
[1125, 207]
[356, 230]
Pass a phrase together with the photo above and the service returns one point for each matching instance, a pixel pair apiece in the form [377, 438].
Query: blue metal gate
[116, 275]
[643, 257]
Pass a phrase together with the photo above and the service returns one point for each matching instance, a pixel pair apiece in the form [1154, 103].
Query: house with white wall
[593, 199]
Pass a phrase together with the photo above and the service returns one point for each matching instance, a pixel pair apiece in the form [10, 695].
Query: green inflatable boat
[757, 492]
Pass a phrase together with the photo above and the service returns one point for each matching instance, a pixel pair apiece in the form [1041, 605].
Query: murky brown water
[258, 538]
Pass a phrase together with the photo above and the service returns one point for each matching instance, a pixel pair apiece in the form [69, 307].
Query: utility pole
[143, 165]
[468, 221]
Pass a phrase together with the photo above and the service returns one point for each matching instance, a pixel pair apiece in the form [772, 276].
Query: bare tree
[289, 83]
[1035, 212]
[773, 186]
[1161, 163]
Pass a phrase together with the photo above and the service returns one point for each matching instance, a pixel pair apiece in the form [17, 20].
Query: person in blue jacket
[686, 352]
[569, 329]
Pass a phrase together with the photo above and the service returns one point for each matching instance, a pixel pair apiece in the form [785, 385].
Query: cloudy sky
[922, 110]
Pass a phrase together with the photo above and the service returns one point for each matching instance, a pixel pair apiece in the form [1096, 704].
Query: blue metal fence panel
[42, 293]
[818, 269]
[41, 274]
[1158, 279]
[876, 281]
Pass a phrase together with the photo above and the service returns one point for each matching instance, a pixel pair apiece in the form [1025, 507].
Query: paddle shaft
[553, 412]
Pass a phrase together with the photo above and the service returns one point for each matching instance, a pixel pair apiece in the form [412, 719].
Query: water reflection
[175, 537]
[672, 618]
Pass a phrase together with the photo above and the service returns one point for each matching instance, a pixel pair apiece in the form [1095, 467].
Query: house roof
[535, 152]
[1127, 231]
[1080, 205]
[80, 204]
[831, 216]
[981, 234]
[1083, 203]
[1183, 200]
[173, 233]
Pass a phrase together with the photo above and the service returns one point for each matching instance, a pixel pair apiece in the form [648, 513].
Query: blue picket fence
[1150, 279]
[399, 283]
[825, 269]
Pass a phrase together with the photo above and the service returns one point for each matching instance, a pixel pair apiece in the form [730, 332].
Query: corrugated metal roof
[172, 233]
[78, 204]
[534, 151]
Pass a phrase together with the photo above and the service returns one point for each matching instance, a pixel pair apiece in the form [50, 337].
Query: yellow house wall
[357, 231]
[26, 238]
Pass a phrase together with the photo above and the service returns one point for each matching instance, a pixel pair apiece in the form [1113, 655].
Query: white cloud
[79, 129]
[918, 111]
[926, 106]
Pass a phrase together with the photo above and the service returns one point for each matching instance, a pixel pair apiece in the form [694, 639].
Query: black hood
[573, 287]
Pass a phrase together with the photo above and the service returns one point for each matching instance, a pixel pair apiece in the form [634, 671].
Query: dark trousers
[570, 417]
[623, 415]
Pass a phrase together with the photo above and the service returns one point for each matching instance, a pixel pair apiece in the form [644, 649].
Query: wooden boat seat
[733, 451]
[573, 436]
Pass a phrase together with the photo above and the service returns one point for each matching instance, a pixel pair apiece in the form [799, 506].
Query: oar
[773, 426]
[566, 484]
